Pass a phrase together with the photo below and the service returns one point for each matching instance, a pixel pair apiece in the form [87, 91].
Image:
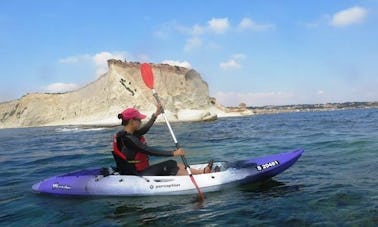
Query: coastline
[229, 112]
[313, 107]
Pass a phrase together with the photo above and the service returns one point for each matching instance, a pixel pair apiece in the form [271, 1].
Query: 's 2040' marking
[267, 165]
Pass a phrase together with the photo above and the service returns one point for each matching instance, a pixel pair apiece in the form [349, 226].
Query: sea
[334, 183]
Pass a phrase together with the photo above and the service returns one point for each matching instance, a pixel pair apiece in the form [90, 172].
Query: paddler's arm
[144, 129]
[138, 145]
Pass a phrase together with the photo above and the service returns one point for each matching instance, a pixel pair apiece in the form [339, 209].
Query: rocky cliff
[184, 94]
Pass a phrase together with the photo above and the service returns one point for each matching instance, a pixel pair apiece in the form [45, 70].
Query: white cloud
[101, 60]
[60, 87]
[177, 63]
[230, 64]
[198, 35]
[219, 25]
[170, 29]
[349, 16]
[233, 62]
[255, 99]
[192, 43]
[248, 24]
[195, 30]
[75, 59]
[216, 25]
[320, 92]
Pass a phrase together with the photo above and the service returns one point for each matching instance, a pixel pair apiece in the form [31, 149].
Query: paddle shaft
[148, 78]
[187, 167]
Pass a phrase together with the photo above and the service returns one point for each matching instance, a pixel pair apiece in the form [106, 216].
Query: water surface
[335, 182]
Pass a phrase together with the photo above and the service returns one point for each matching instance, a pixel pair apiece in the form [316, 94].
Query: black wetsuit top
[129, 144]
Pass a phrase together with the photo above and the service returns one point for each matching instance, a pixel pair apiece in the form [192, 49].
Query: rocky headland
[184, 93]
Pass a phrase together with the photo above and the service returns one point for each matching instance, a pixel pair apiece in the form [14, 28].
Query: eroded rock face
[100, 102]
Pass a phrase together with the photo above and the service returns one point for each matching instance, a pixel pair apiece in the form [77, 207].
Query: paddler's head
[131, 118]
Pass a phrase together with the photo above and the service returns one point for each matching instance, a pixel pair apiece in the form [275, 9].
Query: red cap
[132, 113]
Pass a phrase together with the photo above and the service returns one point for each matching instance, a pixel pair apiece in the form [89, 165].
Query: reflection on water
[271, 187]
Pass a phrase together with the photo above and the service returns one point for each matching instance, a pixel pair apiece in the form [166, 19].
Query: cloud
[177, 63]
[197, 30]
[349, 16]
[199, 35]
[219, 25]
[75, 59]
[215, 25]
[230, 64]
[233, 63]
[320, 92]
[166, 30]
[212, 26]
[255, 98]
[248, 24]
[98, 60]
[192, 43]
[60, 87]
[101, 60]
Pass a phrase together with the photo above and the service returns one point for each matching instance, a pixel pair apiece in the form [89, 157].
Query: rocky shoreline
[312, 107]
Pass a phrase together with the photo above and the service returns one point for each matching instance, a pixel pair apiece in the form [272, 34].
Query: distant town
[310, 107]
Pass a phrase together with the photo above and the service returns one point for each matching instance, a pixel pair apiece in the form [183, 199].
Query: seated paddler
[131, 152]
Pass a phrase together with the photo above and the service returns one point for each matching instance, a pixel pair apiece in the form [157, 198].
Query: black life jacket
[140, 160]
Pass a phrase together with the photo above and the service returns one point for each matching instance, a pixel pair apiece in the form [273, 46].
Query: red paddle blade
[147, 75]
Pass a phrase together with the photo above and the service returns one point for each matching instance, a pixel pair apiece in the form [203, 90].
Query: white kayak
[95, 182]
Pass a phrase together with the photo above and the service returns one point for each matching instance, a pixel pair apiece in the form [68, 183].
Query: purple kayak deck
[270, 166]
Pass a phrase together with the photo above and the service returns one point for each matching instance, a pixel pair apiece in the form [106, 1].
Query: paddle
[148, 78]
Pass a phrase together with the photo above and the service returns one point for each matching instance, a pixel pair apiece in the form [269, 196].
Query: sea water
[335, 182]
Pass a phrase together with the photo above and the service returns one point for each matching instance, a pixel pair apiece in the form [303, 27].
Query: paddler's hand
[179, 152]
[159, 110]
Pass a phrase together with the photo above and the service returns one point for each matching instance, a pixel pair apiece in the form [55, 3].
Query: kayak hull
[91, 182]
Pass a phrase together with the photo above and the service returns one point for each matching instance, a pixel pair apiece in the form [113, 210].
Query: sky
[253, 51]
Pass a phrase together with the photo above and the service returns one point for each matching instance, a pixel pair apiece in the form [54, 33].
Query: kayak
[105, 182]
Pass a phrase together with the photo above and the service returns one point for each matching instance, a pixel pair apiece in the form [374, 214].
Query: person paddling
[131, 152]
